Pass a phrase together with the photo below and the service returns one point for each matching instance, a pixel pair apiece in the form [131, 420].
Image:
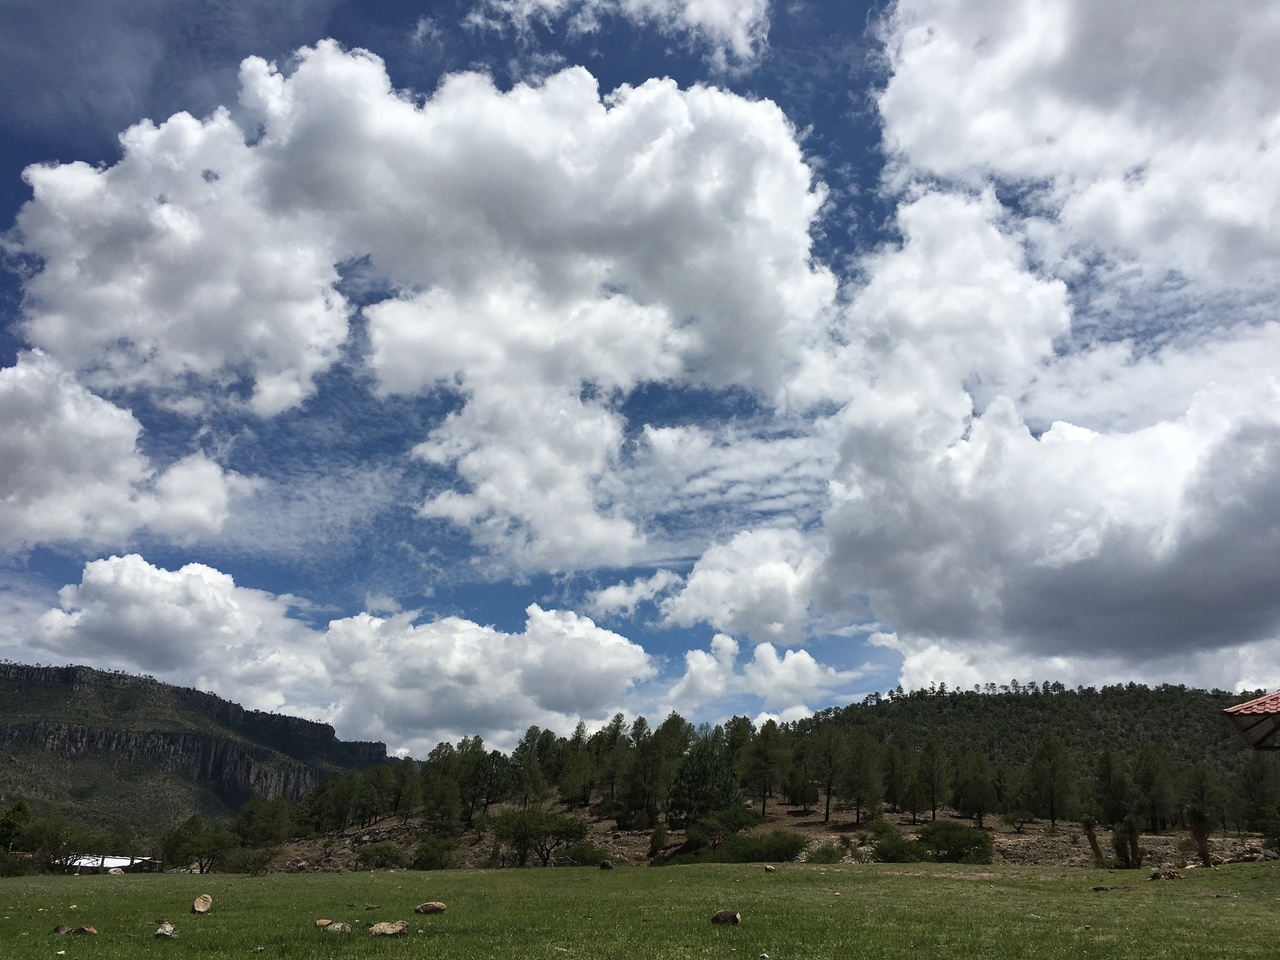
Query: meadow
[796, 913]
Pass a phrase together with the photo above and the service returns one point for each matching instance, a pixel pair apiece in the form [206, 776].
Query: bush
[434, 853]
[658, 840]
[379, 856]
[13, 865]
[948, 842]
[782, 846]
[585, 854]
[879, 827]
[825, 853]
[779, 846]
[896, 848]
[250, 860]
[892, 846]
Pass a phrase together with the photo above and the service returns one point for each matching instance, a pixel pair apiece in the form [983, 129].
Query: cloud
[71, 470]
[734, 32]
[204, 266]
[163, 269]
[757, 584]
[451, 678]
[623, 598]
[1248, 666]
[1136, 545]
[1145, 134]
[784, 683]
[192, 626]
[1050, 453]
[707, 675]
[390, 678]
[788, 681]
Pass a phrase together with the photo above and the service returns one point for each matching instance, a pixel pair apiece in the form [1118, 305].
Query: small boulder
[732, 917]
[203, 904]
[606, 864]
[389, 929]
[431, 906]
[116, 872]
[61, 928]
[336, 926]
[165, 931]
[768, 868]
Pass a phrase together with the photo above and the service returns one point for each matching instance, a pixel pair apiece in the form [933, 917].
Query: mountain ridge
[108, 745]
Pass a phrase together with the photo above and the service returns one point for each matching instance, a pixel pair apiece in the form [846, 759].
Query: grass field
[797, 913]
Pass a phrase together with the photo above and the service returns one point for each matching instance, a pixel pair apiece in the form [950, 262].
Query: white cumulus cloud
[71, 469]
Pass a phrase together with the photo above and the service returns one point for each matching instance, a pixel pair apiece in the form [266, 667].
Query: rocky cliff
[62, 725]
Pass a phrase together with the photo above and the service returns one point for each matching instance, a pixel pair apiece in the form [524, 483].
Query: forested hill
[1007, 723]
[1018, 751]
[103, 746]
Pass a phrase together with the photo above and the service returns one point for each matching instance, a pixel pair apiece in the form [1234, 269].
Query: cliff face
[233, 770]
[140, 727]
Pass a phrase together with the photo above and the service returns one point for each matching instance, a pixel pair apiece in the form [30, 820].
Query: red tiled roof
[1258, 721]
[1268, 704]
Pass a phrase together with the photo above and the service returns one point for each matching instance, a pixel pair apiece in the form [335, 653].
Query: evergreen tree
[1153, 780]
[703, 784]
[898, 770]
[578, 778]
[1049, 781]
[975, 792]
[826, 759]
[861, 784]
[765, 762]
[475, 771]
[934, 773]
[1112, 789]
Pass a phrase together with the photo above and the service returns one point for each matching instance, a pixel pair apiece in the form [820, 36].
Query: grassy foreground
[815, 913]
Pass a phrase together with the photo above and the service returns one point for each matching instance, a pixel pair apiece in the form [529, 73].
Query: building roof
[1258, 721]
[106, 863]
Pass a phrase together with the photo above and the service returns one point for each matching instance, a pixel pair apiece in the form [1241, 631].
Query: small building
[104, 864]
[1258, 721]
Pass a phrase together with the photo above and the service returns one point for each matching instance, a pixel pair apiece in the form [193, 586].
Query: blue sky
[440, 369]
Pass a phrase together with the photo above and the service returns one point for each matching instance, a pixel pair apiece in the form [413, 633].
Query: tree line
[1130, 759]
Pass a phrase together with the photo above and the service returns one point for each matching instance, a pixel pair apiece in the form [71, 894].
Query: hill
[110, 747]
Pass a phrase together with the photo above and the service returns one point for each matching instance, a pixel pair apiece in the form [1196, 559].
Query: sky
[438, 369]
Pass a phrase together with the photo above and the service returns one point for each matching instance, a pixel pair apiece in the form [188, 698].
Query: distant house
[103, 864]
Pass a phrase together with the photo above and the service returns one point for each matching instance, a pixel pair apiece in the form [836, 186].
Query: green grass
[884, 911]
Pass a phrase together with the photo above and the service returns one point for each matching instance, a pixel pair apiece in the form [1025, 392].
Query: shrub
[434, 853]
[658, 840]
[379, 856]
[250, 860]
[825, 853]
[585, 854]
[898, 849]
[948, 842]
[782, 846]
[878, 828]
[12, 865]
[892, 846]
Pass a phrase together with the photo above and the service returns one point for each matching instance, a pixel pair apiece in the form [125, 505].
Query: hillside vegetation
[1115, 765]
[123, 751]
